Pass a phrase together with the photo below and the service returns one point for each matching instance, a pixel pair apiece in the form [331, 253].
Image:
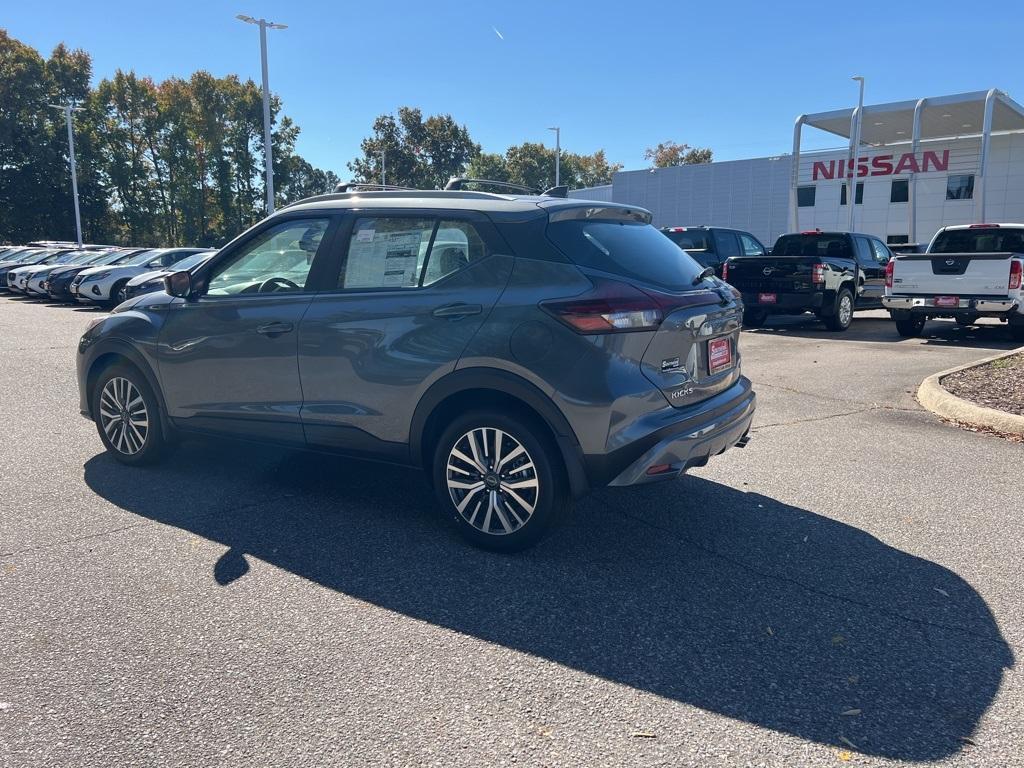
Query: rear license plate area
[719, 355]
[947, 301]
[767, 298]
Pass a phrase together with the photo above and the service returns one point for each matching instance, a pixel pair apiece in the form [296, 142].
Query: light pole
[851, 189]
[383, 167]
[558, 154]
[68, 109]
[263, 24]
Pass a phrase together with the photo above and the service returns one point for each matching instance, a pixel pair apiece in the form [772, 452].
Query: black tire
[841, 316]
[122, 437]
[508, 526]
[1017, 332]
[754, 318]
[117, 293]
[908, 325]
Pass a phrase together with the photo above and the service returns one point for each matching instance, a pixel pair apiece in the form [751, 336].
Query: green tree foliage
[669, 154]
[173, 163]
[533, 164]
[414, 152]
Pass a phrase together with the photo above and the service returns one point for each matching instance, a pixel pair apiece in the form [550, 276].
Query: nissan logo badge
[767, 271]
[950, 262]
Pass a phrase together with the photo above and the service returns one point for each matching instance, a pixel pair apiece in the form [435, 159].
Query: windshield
[691, 239]
[629, 249]
[980, 240]
[140, 258]
[192, 261]
[816, 245]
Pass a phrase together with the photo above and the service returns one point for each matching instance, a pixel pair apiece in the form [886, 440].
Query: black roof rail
[351, 186]
[460, 182]
[561, 190]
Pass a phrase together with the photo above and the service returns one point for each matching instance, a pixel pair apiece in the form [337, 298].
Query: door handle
[275, 329]
[455, 311]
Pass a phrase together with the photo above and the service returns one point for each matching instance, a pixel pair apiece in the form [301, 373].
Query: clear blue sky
[613, 75]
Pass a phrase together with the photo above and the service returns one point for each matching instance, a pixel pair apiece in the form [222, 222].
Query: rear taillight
[818, 273]
[1015, 274]
[888, 272]
[614, 307]
[725, 270]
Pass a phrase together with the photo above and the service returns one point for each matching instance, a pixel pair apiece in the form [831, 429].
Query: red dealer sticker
[767, 298]
[719, 354]
[947, 301]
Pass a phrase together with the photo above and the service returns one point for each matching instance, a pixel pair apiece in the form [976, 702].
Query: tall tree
[670, 153]
[414, 152]
[533, 165]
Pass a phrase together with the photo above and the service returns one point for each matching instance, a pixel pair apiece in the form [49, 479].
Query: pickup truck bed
[961, 285]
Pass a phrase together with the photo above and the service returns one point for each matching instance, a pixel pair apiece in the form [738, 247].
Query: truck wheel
[842, 315]
[908, 325]
[499, 480]
[754, 318]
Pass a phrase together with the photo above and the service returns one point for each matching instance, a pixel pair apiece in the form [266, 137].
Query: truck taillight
[888, 272]
[725, 270]
[1015, 274]
[818, 273]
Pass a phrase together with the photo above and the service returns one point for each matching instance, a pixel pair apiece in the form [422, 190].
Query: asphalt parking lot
[845, 589]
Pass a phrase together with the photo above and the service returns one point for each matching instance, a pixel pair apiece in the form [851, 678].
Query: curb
[940, 401]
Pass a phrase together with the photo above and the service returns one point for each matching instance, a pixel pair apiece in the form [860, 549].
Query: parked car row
[102, 275]
[967, 272]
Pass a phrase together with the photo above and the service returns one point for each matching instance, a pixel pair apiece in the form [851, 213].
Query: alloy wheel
[123, 416]
[492, 481]
[845, 310]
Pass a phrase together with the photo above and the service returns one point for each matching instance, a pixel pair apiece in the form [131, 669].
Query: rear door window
[726, 244]
[865, 255]
[750, 246]
[628, 249]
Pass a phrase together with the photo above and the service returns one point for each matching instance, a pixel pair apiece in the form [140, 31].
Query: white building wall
[602, 193]
[753, 195]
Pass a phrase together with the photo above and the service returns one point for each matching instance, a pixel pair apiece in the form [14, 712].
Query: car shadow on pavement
[943, 333]
[725, 600]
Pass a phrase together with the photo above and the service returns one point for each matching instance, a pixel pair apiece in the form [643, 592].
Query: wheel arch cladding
[479, 388]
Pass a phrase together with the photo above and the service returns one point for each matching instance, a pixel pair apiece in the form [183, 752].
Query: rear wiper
[704, 275]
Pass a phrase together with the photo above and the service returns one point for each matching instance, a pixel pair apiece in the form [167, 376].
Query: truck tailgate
[953, 274]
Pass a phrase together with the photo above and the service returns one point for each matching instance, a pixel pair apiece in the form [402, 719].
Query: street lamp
[263, 24]
[558, 154]
[68, 109]
[383, 167]
[851, 197]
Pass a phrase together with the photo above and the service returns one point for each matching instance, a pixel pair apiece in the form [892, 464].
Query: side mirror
[179, 284]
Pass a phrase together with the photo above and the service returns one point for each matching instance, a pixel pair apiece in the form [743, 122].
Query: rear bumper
[690, 440]
[785, 303]
[965, 305]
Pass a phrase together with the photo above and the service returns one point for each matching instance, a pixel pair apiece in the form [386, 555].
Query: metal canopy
[942, 117]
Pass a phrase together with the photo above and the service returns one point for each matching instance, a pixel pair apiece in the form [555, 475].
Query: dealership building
[918, 165]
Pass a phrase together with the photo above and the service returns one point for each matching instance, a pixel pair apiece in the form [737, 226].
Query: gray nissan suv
[521, 349]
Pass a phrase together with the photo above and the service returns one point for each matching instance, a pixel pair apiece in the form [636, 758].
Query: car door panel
[366, 357]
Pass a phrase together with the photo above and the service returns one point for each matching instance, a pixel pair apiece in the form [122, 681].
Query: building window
[805, 197]
[858, 196]
[900, 191]
[897, 239]
[960, 187]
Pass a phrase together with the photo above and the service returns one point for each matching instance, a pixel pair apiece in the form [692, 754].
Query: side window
[726, 244]
[456, 245]
[865, 255]
[750, 246]
[882, 254]
[277, 261]
[387, 252]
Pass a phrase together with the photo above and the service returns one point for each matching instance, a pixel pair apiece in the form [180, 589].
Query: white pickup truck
[969, 271]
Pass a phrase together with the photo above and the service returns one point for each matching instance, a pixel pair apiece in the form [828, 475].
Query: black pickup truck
[831, 274]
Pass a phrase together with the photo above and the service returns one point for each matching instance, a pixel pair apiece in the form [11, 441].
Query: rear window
[980, 240]
[628, 249]
[836, 246]
[692, 239]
